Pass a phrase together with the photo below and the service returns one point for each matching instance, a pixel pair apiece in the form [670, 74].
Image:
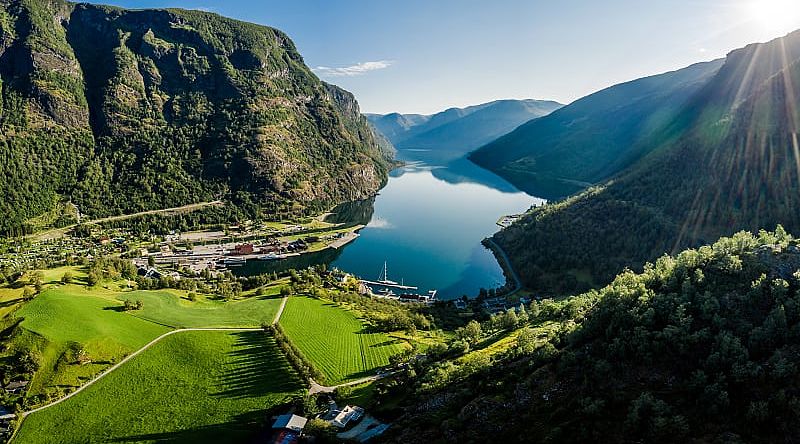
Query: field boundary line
[280, 310]
[105, 372]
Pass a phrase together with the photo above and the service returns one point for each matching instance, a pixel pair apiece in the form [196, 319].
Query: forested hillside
[118, 111]
[734, 167]
[701, 347]
[594, 137]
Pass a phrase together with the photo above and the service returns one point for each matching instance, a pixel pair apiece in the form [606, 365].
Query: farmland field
[168, 308]
[190, 387]
[335, 341]
[72, 314]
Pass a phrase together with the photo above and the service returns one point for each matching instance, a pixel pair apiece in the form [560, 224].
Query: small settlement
[352, 422]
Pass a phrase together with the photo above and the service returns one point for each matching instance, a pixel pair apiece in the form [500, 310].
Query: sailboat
[384, 277]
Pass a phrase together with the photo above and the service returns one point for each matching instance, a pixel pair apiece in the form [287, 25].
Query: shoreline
[505, 264]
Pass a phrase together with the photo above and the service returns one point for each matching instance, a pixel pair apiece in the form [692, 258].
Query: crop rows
[334, 340]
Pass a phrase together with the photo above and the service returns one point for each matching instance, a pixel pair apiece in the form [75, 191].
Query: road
[58, 232]
[508, 267]
[317, 388]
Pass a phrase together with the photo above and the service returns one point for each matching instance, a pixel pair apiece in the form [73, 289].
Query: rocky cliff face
[120, 110]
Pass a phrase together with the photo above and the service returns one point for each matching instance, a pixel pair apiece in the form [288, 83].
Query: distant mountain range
[457, 131]
[712, 150]
[595, 137]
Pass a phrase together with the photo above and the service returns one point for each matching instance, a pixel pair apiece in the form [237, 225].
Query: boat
[384, 278]
[234, 261]
[268, 257]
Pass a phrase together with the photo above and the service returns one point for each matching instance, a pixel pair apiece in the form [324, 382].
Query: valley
[203, 239]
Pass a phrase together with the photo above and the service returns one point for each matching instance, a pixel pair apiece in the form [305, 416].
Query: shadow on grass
[244, 428]
[256, 368]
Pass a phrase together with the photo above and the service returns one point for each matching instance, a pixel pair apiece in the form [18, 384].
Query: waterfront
[427, 224]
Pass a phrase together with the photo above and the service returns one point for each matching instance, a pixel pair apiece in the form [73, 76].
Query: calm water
[427, 224]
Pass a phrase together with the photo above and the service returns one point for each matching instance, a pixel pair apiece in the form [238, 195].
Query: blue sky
[422, 56]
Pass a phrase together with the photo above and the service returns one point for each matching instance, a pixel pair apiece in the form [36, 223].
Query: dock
[390, 285]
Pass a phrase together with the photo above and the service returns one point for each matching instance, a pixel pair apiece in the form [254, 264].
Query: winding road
[508, 267]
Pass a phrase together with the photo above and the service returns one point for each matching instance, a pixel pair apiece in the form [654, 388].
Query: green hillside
[595, 137]
[733, 168]
[701, 347]
[190, 387]
[119, 110]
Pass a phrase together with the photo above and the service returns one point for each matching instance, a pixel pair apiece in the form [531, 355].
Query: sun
[775, 15]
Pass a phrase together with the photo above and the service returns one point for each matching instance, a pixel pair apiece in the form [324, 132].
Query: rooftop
[290, 422]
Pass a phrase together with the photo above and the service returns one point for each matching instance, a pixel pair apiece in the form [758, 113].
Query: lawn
[335, 341]
[192, 387]
[172, 308]
[73, 313]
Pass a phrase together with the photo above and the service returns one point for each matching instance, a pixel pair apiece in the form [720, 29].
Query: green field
[169, 308]
[72, 313]
[191, 387]
[335, 341]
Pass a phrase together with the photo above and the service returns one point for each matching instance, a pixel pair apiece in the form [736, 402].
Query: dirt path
[58, 232]
[280, 310]
[128, 358]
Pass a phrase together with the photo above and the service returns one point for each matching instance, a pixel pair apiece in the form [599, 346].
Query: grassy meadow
[173, 308]
[190, 387]
[336, 341]
[64, 315]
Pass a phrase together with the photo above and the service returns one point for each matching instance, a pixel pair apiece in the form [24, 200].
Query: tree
[67, 278]
[92, 279]
[151, 261]
[522, 314]
[37, 279]
[526, 342]
[470, 333]
[27, 294]
[509, 320]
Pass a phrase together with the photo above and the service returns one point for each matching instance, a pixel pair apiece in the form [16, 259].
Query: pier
[390, 285]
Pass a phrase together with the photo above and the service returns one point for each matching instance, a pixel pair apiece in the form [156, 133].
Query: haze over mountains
[594, 137]
[456, 131]
[723, 157]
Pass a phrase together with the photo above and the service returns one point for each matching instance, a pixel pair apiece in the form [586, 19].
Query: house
[150, 273]
[6, 415]
[16, 387]
[290, 422]
[341, 417]
[243, 249]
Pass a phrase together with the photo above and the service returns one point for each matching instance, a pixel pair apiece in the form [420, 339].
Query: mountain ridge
[122, 110]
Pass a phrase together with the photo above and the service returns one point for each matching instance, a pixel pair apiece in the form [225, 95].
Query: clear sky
[422, 56]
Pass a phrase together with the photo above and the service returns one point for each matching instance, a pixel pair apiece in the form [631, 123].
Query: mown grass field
[335, 341]
[191, 387]
[73, 313]
[172, 308]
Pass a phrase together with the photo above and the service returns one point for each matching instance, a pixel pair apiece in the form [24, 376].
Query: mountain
[733, 164]
[701, 347]
[120, 110]
[594, 137]
[459, 130]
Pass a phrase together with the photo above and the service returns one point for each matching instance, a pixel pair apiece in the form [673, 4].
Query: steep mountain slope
[460, 130]
[596, 136]
[701, 347]
[119, 110]
[737, 166]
